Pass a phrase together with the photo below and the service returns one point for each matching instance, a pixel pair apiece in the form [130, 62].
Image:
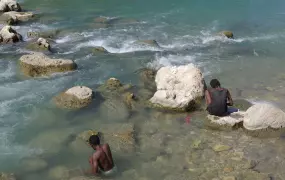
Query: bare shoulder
[106, 146]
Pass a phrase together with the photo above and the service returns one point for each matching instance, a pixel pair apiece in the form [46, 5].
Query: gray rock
[33, 164]
[38, 64]
[9, 5]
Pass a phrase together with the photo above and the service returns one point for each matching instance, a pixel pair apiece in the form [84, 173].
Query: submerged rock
[262, 116]
[178, 88]
[59, 172]
[51, 141]
[5, 176]
[152, 43]
[114, 109]
[9, 35]
[9, 5]
[227, 34]
[33, 164]
[242, 104]
[38, 64]
[14, 17]
[74, 98]
[120, 136]
[41, 45]
[99, 50]
[104, 22]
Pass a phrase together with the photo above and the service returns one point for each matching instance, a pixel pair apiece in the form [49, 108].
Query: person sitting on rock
[218, 99]
[101, 161]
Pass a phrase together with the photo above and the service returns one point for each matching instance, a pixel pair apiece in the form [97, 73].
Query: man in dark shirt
[218, 99]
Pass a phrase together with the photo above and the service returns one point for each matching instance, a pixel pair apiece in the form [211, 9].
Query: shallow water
[251, 66]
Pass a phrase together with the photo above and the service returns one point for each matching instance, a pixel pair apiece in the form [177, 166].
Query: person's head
[94, 140]
[215, 83]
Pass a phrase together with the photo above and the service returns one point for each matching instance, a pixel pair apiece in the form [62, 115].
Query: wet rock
[38, 64]
[230, 120]
[147, 76]
[130, 100]
[33, 164]
[80, 147]
[14, 17]
[220, 148]
[152, 43]
[51, 141]
[262, 116]
[9, 35]
[120, 136]
[59, 172]
[113, 87]
[41, 45]
[99, 50]
[9, 5]
[196, 144]
[179, 88]
[46, 34]
[229, 178]
[130, 174]
[5, 176]
[227, 34]
[74, 98]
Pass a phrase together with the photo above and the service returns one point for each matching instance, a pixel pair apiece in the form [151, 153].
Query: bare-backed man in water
[101, 161]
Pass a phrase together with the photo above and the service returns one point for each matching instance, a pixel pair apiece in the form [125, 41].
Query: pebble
[228, 169]
[220, 148]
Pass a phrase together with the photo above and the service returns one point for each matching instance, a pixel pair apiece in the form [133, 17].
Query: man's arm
[230, 100]
[93, 161]
[208, 97]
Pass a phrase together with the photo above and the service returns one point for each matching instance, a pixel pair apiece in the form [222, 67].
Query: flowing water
[251, 66]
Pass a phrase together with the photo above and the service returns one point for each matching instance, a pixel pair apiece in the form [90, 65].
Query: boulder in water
[113, 86]
[74, 98]
[178, 88]
[9, 5]
[227, 34]
[152, 43]
[147, 76]
[51, 141]
[41, 45]
[263, 116]
[5, 176]
[33, 164]
[9, 35]
[38, 64]
[99, 50]
[14, 17]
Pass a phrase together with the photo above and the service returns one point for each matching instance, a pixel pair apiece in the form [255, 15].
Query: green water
[251, 66]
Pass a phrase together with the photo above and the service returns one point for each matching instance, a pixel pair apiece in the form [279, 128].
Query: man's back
[103, 158]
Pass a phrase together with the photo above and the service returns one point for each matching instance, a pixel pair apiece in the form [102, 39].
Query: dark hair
[215, 83]
[94, 140]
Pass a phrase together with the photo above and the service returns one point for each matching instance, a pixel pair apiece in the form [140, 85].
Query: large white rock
[8, 34]
[9, 5]
[75, 97]
[262, 116]
[38, 64]
[178, 87]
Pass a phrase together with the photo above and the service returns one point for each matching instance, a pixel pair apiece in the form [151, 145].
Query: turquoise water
[186, 31]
